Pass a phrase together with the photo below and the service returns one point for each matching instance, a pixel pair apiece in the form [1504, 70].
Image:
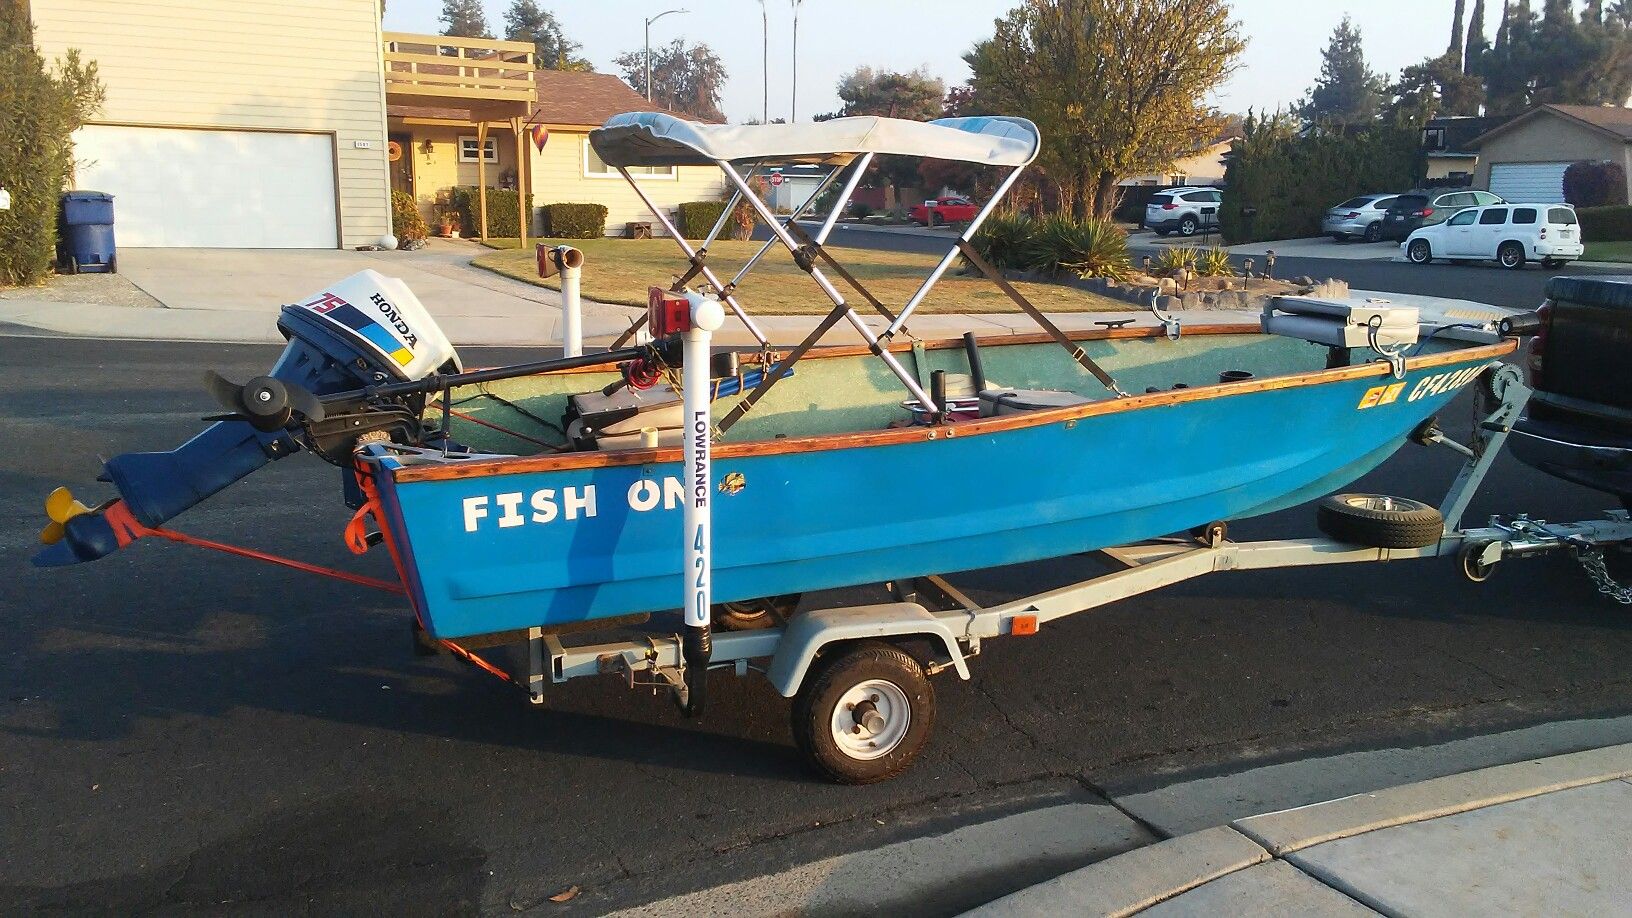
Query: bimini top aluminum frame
[848, 145]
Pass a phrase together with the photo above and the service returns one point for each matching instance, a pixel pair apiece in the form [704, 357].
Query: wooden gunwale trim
[905, 435]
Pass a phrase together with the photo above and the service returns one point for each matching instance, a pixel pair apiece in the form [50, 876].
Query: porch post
[481, 174]
[523, 212]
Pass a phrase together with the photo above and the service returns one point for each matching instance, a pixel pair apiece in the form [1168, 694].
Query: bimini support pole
[837, 298]
[697, 647]
[691, 253]
[799, 211]
[946, 260]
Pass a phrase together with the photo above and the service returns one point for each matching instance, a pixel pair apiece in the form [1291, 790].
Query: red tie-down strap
[356, 537]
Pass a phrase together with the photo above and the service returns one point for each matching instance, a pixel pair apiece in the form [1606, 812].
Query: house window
[467, 150]
[1433, 138]
[595, 168]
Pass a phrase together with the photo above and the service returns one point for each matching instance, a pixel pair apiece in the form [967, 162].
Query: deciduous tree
[552, 49]
[1117, 87]
[685, 78]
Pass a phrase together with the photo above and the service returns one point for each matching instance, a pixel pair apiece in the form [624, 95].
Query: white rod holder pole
[707, 315]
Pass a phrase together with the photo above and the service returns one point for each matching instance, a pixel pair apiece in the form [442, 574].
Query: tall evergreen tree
[552, 49]
[1455, 46]
[464, 19]
[1474, 50]
[1347, 91]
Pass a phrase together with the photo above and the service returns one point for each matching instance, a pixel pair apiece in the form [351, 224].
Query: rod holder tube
[697, 572]
[572, 312]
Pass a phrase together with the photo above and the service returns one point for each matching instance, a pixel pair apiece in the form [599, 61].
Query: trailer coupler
[1520, 536]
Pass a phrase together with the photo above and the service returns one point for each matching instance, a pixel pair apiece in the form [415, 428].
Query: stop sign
[776, 179]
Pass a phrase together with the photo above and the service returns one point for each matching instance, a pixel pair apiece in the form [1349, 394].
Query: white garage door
[220, 189]
[1528, 183]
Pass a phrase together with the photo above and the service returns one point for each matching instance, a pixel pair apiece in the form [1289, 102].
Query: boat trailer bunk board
[557, 510]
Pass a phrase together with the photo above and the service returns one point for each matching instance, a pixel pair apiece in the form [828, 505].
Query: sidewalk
[1541, 837]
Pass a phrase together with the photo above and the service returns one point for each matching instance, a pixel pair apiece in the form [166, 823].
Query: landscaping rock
[1168, 303]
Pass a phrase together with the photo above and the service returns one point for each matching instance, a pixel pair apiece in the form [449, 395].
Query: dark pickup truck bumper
[1593, 458]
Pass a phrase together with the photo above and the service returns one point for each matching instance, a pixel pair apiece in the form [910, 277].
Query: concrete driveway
[222, 287]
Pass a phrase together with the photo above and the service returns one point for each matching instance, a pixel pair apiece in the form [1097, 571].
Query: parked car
[1578, 424]
[952, 208]
[1361, 216]
[1511, 234]
[1184, 210]
[1425, 208]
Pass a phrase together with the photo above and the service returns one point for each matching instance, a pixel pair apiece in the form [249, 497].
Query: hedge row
[575, 221]
[501, 211]
[1605, 224]
[696, 218]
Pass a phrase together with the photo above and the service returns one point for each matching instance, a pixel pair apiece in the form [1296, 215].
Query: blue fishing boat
[592, 491]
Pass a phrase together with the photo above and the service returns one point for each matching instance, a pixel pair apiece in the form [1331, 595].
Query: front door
[400, 160]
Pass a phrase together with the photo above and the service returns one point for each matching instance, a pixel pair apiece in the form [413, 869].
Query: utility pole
[764, 64]
[793, 114]
[649, 48]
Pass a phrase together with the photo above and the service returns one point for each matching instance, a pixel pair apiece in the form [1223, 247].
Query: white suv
[1185, 210]
[1511, 234]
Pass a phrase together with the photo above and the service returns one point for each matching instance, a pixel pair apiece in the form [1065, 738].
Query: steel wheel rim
[858, 733]
[1373, 502]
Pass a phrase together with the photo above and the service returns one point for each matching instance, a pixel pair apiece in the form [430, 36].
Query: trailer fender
[809, 632]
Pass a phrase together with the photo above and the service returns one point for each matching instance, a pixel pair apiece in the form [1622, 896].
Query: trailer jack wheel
[864, 714]
[1379, 520]
[1473, 567]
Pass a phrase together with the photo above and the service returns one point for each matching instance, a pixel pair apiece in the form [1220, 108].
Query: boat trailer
[829, 659]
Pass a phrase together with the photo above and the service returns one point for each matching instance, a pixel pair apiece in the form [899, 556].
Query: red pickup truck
[950, 209]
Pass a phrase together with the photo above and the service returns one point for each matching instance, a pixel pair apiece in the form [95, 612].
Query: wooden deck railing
[449, 68]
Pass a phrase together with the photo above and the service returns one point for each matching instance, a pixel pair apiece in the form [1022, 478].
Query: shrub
[695, 218]
[40, 107]
[501, 210]
[862, 211]
[1605, 224]
[1086, 248]
[1213, 262]
[1001, 237]
[1175, 259]
[575, 221]
[406, 223]
[1595, 184]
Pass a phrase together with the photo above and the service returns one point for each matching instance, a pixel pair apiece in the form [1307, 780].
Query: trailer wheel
[1472, 568]
[1379, 520]
[864, 714]
[755, 614]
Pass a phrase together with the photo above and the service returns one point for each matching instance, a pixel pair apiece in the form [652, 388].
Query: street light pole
[793, 113]
[649, 48]
[764, 64]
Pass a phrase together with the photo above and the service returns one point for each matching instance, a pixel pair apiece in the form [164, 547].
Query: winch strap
[1077, 353]
[772, 374]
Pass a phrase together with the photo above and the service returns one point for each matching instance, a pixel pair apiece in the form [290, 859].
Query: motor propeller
[267, 404]
[60, 507]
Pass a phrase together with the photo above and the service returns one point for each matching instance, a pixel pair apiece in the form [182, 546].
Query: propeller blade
[304, 402]
[52, 533]
[227, 394]
[61, 506]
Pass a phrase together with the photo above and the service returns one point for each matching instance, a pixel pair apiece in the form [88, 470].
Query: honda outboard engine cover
[365, 330]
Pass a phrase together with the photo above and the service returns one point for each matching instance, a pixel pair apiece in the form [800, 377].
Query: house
[287, 123]
[1447, 146]
[440, 145]
[1202, 166]
[1524, 159]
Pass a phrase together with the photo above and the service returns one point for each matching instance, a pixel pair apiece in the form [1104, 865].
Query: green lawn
[621, 270]
[1608, 251]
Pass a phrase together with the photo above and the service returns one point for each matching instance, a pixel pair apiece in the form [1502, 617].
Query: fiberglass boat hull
[516, 543]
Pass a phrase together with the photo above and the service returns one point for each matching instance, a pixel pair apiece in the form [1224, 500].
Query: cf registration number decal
[1428, 385]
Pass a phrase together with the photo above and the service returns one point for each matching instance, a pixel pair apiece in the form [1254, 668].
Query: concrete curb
[1291, 830]
[1137, 880]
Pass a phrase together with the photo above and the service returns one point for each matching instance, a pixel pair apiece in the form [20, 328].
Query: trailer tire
[1379, 520]
[899, 700]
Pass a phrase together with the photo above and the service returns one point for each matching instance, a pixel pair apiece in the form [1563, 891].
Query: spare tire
[1379, 520]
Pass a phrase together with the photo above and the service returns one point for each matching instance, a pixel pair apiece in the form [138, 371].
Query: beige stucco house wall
[1544, 137]
[311, 66]
[564, 173]
[1203, 167]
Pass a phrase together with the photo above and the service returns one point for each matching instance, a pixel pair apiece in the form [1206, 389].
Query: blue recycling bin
[85, 233]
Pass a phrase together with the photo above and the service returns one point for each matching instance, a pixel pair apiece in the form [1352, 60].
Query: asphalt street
[185, 732]
[1483, 283]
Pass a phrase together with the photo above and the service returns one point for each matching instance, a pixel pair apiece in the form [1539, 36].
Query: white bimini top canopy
[658, 139]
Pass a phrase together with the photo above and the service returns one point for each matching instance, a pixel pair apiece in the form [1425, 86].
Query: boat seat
[1017, 401]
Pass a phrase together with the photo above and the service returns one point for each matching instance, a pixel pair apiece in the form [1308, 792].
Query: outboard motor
[366, 330]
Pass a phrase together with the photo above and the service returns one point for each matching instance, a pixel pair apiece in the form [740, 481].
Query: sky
[1284, 40]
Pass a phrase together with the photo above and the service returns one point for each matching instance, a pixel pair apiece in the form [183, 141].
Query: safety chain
[1592, 560]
